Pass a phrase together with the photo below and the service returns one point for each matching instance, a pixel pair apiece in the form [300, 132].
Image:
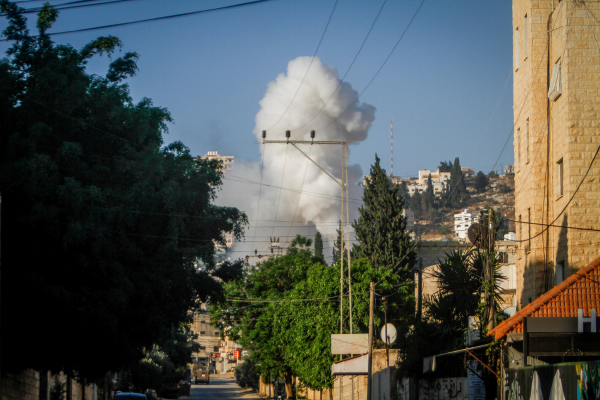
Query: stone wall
[550, 132]
[30, 385]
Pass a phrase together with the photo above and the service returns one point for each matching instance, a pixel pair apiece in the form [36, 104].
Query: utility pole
[344, 196]
[370, 357]
[420, 291]
[491, 310]
[387, 353]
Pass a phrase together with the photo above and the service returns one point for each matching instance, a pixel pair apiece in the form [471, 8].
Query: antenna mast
[392, 140]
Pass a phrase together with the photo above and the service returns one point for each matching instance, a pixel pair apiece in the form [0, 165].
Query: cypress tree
[319, 245]
[337, 246]
[381, 226]
[429, 196]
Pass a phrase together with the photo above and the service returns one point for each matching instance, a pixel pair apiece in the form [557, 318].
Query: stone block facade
[555, 140]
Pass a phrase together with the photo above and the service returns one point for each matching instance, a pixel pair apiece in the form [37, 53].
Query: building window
[555, 89]
[216, 333]
[517, 56]
[560, 271]
[527, 139]
[528, 230]
[559, 178]
[216, 349]
[525, 38]
[203, 332]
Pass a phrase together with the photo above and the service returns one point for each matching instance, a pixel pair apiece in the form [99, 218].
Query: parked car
[130, 396]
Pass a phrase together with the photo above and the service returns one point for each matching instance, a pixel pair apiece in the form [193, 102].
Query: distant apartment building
[227, 160]
[556, 140]
[208, 339]
[509, 169]
[438, 188]
[436, 176]
[462, 222]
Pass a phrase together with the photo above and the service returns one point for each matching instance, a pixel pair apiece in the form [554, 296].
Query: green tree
[106, 222]
[381, 226]
[481, 182]
[299, 243]
[319, 245]
[429, 195]
[337, 245]
[288, 327]
[445, 166]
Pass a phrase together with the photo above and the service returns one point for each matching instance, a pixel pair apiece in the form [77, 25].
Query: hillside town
[135, 267]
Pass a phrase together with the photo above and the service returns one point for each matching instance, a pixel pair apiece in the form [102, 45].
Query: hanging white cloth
[556, 392]
[536, 388]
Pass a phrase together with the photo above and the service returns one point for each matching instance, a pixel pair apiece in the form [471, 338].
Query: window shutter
[555, 89]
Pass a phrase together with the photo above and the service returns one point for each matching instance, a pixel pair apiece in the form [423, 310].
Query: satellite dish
[478, 235]
[391, 333]
[510, 311]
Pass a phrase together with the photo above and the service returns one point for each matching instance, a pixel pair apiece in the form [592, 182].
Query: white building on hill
[462, 222]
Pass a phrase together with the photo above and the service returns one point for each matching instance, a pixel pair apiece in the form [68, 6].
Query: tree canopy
[285, 310]
[104, 224]
[319, 245]
[381, 227]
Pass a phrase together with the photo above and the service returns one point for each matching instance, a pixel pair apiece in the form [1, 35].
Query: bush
[444, 230]
[245, 376]
[504, 188]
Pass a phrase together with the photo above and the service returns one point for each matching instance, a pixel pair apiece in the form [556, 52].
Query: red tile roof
[580, 290]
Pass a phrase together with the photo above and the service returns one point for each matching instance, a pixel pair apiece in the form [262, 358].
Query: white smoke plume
[284, 213]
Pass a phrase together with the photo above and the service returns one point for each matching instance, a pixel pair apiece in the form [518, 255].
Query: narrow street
[221, 387]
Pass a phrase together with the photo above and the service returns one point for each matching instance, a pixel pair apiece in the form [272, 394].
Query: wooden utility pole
[491, 309]
[420, 291]
[387, 352]
[370, 358]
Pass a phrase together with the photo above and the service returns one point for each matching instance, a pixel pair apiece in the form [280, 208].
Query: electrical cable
[569, 202]
[556, 226]
[378, 71]
[301, 187]
[262, 165]
[279, 197]
[68, 7]
[309, 65]
[248, 3]
[347, 71]
[323, 195]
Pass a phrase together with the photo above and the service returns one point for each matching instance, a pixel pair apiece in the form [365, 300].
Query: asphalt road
[221, 387]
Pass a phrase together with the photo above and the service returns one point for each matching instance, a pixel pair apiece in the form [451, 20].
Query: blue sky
[440, 86]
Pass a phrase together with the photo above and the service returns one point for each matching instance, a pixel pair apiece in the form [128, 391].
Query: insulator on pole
[264, 134]
[288, 134]
[312, 134]
[255, 251]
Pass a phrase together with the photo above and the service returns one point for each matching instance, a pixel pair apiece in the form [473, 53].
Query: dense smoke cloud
[284, 165]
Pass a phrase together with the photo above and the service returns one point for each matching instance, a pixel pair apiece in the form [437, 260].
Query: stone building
[227, 160]
[462, 222]
[208, 338]
[556, 140]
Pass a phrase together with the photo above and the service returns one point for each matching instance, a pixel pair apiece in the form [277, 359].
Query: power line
[309, 65]
[556, 226]
[569, 202]
[67, 6]
[379, 70]
[332, 196]
[347, 71]
[249, 3]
